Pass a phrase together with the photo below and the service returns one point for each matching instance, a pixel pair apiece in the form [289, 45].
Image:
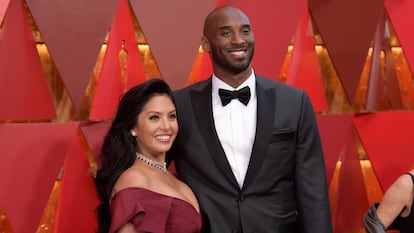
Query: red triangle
[401, 15]
[32, 155]
[383, 95]
[175, 37]
[23, 84]
[347, 29]
[274, 23]
[304, 71]
[3, 8]
[73, 32]
[110, 83]
[94, 134]
[77, 198]
[352, 200]
[206, 69]
[388, 141]
[220, 3]
[333, 130]
[375, 92]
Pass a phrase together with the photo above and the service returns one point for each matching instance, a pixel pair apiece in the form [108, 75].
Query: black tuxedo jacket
[285, 188]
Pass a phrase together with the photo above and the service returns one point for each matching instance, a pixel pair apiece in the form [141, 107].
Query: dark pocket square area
[282, 135]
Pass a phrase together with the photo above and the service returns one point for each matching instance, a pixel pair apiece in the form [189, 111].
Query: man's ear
[205, 44]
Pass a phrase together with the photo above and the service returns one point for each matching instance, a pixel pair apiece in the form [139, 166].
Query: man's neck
[234, 80]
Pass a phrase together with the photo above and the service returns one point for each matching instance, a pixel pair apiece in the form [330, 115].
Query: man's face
[230, 41]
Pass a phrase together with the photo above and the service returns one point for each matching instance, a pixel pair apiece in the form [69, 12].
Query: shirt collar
[250, 82]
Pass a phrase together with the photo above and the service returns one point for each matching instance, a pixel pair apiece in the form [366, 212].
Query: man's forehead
[230, 18]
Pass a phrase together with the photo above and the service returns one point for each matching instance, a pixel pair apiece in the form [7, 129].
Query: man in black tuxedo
[249, 147]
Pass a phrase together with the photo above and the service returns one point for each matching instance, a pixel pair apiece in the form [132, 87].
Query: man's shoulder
[268, 83]
[194, 86]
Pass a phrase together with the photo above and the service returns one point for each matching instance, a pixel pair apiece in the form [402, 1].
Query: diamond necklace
[161, 166]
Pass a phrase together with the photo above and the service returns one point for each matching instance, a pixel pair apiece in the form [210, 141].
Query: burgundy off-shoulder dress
[153, 212]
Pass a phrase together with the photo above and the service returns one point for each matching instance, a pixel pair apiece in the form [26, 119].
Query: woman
[137, 192]
[395, 209]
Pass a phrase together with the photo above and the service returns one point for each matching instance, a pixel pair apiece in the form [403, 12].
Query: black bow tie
[243, 95]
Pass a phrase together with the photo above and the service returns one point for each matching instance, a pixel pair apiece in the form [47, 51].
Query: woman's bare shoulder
[132, 177]
[401, 189]
[404, 182]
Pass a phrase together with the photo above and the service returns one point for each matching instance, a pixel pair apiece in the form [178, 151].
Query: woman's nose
[165, 124]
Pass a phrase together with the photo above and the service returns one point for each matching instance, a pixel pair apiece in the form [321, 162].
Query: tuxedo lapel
[265, 117]
[202, 104]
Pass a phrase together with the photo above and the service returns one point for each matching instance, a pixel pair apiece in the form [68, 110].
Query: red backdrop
[56, 105]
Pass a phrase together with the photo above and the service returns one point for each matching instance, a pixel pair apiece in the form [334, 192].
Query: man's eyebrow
[224, 27]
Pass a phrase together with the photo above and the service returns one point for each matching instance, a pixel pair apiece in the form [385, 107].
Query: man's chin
[239, 69]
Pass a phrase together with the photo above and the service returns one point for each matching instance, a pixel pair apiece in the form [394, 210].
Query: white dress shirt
[235, 125]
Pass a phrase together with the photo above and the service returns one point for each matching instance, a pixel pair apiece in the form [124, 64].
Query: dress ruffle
[152, 212]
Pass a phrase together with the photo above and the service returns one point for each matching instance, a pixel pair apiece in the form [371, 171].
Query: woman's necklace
[161, 166]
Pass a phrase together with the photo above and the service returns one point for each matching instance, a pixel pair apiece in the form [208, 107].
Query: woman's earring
[133, 133]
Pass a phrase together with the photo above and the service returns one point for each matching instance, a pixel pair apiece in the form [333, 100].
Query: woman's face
[157, 126]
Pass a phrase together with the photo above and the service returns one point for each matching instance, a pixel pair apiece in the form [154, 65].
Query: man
[256, 165]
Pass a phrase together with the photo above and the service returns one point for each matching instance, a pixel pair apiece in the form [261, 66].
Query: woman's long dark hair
[119, 146]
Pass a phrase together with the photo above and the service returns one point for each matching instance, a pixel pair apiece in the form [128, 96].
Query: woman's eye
[153, 118]
[173, 116]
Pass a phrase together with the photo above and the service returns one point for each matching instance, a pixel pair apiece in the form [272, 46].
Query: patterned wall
[64, 64]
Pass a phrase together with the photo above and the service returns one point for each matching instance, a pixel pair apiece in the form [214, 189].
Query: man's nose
[238, 38]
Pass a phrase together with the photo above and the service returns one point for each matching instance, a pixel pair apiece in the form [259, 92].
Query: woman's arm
[129, 228]
[395, 200]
